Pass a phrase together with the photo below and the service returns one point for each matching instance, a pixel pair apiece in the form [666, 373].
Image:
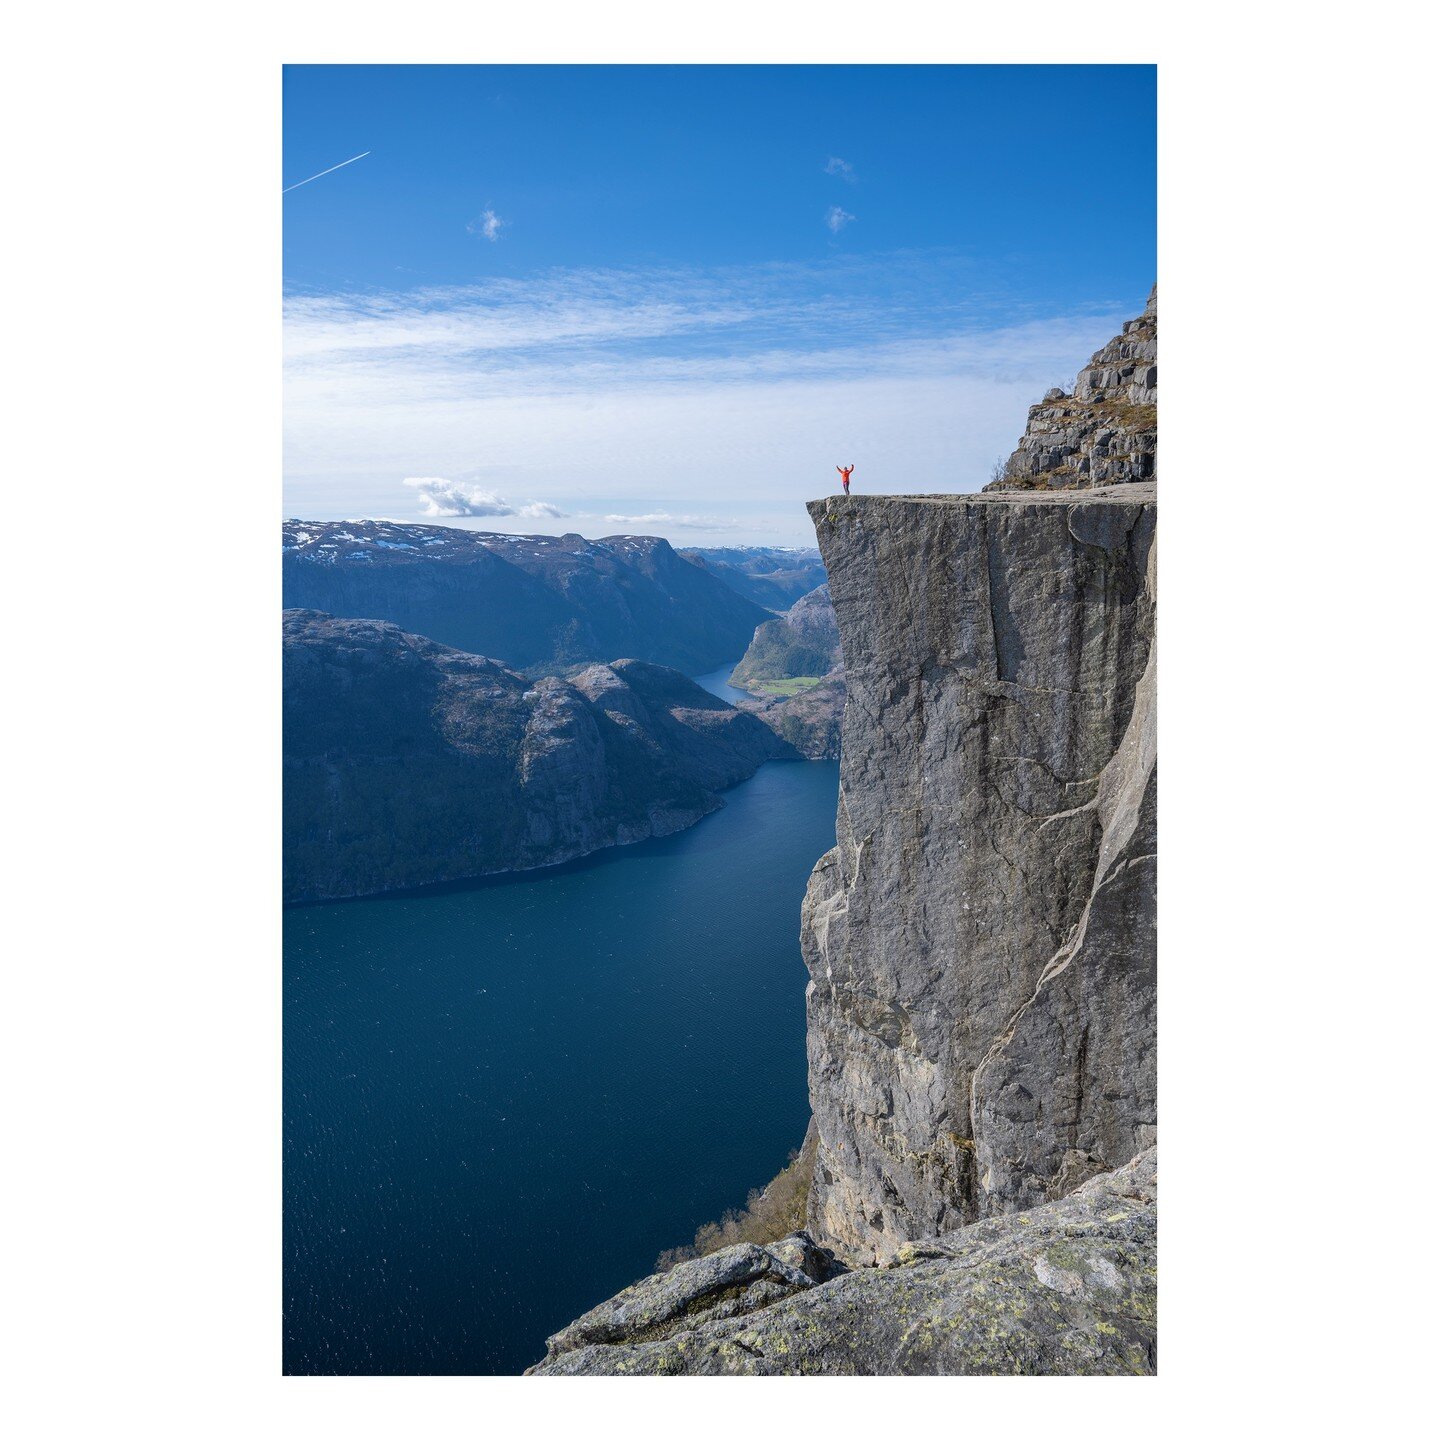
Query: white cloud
[837, 219]
[454, 498]
[727, 394]
[447, 497]
[489, 225]
[564, 308]
[665, 520]
[836, 166]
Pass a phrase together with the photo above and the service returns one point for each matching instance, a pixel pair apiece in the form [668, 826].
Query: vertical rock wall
[981, 939]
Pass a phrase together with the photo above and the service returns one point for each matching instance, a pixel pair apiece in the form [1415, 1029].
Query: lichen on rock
[1065, 1289]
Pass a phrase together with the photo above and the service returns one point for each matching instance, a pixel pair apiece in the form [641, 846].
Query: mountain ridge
[771, 575]
[539, 603]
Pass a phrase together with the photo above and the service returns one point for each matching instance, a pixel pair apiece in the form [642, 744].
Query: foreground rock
[1104, 432]
[408, 762]
[1067, 1288]
[981, 940]
[538, 603]
[735, 1281]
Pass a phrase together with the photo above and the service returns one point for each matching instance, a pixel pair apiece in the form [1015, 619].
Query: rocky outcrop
[981, 940]
[1104, 432]
[538, 603]
[408, 762]
[738, 1280]
[1068, 1288]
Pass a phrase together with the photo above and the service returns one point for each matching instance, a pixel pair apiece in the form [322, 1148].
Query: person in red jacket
[845, 476]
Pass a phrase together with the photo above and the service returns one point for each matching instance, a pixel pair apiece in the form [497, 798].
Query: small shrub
[769, 1214]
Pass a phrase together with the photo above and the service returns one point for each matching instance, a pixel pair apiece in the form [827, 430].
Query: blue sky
[671, 299]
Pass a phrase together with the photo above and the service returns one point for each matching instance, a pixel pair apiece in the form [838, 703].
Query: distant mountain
[772, 576]
[539, 603]
[796, 674]
[407, 761]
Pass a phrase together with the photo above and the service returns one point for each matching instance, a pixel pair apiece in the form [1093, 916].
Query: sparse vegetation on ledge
[769, 1214]
[784, 689]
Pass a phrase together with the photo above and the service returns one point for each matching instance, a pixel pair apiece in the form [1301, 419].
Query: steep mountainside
[536, 602]
[1104, 433]
[796, 677]
[772, 576]
[803, 642]
[981, 940]
[408, 762]
[809, 720]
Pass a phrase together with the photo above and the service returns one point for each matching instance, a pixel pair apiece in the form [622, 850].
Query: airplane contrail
[340, 166]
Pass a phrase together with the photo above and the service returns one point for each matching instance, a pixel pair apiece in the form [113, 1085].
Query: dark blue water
[717, 682]
[503, 1098]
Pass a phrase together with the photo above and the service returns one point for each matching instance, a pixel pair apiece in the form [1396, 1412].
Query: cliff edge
[981, 946]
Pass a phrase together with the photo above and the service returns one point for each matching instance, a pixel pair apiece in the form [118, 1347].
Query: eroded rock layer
[981, 939]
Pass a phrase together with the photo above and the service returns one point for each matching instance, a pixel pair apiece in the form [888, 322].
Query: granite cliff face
[407, 762]
[538, 603]
[1104, 432]
[980, 942]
